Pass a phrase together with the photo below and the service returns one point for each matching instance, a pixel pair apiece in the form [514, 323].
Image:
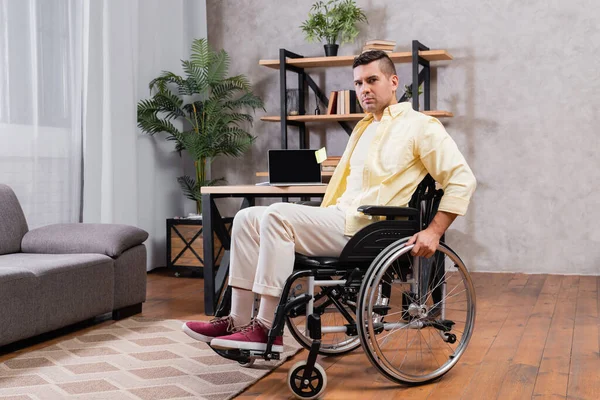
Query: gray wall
[524, 89]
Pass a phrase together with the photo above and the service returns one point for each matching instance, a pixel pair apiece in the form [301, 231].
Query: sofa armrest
[108, 239]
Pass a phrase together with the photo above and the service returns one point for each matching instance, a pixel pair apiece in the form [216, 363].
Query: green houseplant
[202, 112]
[408, 91]
[332, 21]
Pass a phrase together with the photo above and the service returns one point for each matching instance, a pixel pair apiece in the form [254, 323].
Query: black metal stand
[418, 78]
[303, 80]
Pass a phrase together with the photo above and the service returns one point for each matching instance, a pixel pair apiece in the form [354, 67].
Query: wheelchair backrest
[426, 199]
[366, 244]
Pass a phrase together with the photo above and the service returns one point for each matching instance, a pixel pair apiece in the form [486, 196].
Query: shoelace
[245, 329]
[220, 321]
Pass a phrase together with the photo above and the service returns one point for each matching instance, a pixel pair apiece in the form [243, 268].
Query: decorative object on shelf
[332, 21]
[408, 91]
[210, 107]
[291, 101]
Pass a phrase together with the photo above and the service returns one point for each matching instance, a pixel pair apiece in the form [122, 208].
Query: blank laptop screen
[293, 166]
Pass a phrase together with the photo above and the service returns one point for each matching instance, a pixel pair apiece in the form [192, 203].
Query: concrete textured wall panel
[525, 90]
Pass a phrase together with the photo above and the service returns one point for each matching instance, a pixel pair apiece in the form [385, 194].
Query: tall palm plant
[210, 109]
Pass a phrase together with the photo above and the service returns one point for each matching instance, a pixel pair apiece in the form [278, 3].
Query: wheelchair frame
[373, 246]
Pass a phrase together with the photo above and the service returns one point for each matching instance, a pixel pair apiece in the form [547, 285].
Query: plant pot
[331, 49]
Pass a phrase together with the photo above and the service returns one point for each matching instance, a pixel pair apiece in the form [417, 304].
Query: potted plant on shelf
[408, 91]
[203, 112]
[332, 21]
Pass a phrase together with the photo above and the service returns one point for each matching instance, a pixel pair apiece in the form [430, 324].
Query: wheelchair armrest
[388, 211]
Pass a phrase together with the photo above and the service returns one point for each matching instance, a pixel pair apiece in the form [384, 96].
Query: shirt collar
[392, 111]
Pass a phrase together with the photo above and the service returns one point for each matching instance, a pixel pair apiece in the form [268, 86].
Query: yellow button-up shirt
[407, 146]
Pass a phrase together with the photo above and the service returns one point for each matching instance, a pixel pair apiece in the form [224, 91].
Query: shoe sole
[195, 335]
[233, 344]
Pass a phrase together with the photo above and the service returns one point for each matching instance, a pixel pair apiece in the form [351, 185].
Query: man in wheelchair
[388, 155]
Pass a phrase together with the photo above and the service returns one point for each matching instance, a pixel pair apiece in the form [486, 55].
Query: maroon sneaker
[251, 337]
[207, 331]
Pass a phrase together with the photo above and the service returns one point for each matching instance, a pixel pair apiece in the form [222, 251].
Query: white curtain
[71, 74]
[130, 177]
[40, 107]
[110, 87]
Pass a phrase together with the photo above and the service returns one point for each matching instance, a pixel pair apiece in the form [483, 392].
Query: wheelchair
[413, 316]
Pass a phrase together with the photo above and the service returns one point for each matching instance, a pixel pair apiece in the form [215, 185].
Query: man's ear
[395, 81]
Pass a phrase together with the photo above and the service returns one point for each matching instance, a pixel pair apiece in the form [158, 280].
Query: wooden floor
[536, 336]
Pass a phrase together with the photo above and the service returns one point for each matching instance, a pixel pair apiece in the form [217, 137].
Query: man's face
[374, 89]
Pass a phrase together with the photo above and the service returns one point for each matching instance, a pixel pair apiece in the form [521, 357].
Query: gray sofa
[61, 274]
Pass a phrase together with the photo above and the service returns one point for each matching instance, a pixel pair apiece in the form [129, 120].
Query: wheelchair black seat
[302, 261]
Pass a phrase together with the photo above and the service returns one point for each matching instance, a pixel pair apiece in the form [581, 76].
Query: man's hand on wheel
[426, 243]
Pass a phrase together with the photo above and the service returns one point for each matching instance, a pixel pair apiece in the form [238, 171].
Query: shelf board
[266, 174]
[343, 117]
[341, 61]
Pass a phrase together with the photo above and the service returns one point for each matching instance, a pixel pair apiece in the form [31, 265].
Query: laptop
[293, 167]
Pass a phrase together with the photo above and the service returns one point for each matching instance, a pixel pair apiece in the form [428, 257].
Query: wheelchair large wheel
[426, 327]
[332, 343]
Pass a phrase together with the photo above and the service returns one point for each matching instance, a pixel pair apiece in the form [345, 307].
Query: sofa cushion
[43, 292]
[13, 224]
[44, 264]
[108, 239]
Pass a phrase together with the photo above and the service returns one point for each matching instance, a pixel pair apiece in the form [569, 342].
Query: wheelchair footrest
[243, 356]
[381, 309]
[442, 325]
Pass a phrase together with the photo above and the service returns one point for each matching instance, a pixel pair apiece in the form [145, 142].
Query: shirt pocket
[396, 152]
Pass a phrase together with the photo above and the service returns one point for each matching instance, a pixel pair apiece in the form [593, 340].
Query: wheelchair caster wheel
[310, 388]
[247, 364]
[450, 337]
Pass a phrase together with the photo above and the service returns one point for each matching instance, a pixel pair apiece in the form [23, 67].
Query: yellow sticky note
[321, 155]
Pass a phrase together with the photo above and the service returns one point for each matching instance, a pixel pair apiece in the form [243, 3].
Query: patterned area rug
[137, 358]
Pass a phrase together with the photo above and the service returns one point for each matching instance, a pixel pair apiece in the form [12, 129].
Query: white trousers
[264, 240]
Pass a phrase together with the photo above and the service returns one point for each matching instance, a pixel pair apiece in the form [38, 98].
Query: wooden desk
[212, 222]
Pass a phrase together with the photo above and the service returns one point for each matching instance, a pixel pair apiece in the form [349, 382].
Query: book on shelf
[332, 103]
[381, 42]
[331, 161]
[370, 49]
[377, 44]
[343, 102]
[349, 101]
[382, 48]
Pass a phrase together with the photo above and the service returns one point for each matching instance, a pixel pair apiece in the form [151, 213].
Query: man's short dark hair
[385, 62]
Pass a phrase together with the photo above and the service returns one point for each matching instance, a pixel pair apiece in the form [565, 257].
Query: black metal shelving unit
[421, 74]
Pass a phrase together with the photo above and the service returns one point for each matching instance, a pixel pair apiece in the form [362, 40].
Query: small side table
[185, 247]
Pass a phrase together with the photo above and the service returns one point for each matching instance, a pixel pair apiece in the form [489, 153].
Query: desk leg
[214, 281]
[209, 256]
[247, 202]
[224, 306]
